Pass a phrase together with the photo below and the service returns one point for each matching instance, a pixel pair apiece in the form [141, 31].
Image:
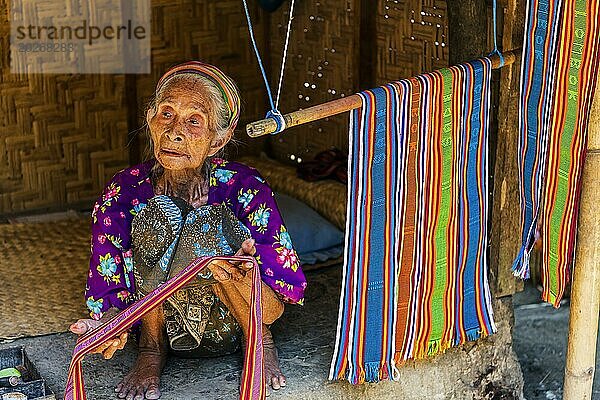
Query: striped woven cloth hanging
[252, 386]
[561, 53]
[415, 271]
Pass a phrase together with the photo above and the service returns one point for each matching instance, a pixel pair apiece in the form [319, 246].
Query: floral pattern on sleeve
[251, 199]
[110, 278]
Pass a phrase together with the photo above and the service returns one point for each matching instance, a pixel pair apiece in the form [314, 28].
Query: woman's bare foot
[274, 378]
[143, 380]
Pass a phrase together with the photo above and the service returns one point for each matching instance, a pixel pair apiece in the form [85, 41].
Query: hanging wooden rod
[334, 107]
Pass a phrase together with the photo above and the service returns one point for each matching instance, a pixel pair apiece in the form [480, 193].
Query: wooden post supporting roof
[505, 215]
[585, 290]
[467, 30]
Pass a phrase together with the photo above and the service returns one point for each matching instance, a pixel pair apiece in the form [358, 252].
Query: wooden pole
[334, 107]
[467, 29]
[585, 290]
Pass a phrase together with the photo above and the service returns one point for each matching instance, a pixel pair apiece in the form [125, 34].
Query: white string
[285, 48]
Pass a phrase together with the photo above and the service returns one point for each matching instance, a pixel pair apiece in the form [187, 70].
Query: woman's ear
[218, 143]
[149, 114]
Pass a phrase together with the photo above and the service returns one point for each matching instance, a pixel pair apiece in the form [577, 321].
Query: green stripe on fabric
[441, 240]
[564, 191]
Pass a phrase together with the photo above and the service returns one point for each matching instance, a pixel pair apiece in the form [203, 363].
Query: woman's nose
[174, 136]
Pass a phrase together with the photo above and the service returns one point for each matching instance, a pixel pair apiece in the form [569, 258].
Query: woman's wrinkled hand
[234, 270]
[108, 348]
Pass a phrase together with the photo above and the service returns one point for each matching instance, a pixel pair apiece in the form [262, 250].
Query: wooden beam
[334, 107]
[585, 290]
[504, 147]
[467, 30]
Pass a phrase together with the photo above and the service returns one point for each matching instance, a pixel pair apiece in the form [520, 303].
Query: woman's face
[181, 128]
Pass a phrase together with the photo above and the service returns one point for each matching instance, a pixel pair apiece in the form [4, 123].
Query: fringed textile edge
[371, 372]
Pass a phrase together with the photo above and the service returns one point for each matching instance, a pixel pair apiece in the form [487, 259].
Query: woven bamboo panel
[322, 65]
[412, 37]
[213, 31]
[61, 136]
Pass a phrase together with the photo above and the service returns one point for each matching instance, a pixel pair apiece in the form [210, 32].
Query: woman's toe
[275, 383]
[123, 392]
[153, 392]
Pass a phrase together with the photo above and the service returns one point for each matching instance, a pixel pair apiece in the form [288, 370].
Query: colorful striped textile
[252, 385]
[561, 54]
[415, 273]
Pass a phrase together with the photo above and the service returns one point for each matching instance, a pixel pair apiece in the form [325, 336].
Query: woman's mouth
[172, 153]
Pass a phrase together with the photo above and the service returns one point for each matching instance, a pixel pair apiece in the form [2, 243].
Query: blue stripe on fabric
[484, 138]
[472, 211]
[347, 313]
[376, 261]
[530, 137]
[367, 104]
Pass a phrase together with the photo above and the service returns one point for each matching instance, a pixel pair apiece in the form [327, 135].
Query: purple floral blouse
[110, 280]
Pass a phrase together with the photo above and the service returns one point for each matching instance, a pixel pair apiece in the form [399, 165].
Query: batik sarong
[167, 235]
[561, 52]
[415, 270]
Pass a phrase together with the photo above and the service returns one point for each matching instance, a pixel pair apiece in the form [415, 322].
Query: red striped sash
[252, 385]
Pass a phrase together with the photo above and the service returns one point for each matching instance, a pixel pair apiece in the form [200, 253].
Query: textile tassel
[419, 163]
[252, 383]
[372, 372]
[473, 334]
[561, 55]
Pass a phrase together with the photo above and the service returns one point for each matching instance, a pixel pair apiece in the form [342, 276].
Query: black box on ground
[34, 386]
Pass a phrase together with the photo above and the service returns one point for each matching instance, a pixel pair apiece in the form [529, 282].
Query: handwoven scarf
[415, 270]
[252, 385]
[561, 53]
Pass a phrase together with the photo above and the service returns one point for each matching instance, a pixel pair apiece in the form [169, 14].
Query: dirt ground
[540, 342]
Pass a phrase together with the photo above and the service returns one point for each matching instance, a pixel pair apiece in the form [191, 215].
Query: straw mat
[43, 269]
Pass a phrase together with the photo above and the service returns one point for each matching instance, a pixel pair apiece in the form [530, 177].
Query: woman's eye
[167, 114]
[194, 121]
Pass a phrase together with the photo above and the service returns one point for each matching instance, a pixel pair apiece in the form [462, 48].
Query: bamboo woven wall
[403, 37]
[61, 136]
[322, 65]
[411, 38]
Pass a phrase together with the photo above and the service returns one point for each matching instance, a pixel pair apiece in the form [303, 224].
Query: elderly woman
[154, 218]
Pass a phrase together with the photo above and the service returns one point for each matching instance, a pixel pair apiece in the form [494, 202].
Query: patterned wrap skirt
[166, 236]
